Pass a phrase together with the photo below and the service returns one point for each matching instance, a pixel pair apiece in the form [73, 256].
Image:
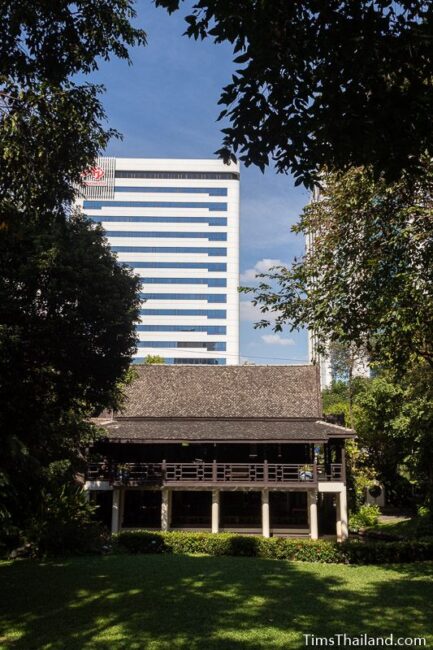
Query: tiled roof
[160, 429]
[224, 392]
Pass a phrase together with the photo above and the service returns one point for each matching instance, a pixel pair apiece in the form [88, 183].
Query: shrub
[275, 548]
[66, 525]
[367, 515]
[379, 552]
[424, 522]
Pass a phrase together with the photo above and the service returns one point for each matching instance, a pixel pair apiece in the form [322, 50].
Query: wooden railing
[213, 473]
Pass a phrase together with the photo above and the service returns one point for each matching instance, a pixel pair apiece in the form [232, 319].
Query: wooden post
[315, 471]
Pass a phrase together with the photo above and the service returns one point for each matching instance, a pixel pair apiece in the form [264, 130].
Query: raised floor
[307, 512]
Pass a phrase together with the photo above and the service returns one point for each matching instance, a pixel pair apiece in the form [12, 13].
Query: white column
[115, 511]
[338, 514]
[215, 510]
[312, 507]
[165, 508]
[265, 513]
[343, 514]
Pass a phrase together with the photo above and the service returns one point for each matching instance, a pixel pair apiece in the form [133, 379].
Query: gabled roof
[165, 391]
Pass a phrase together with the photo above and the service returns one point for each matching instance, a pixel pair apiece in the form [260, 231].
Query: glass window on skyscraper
[169, 219]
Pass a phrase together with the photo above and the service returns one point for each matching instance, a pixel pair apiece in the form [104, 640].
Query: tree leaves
[67, 308]
[347, 83]
[367, 278]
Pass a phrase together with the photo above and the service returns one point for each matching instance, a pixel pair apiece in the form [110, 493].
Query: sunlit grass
[406, 527]
[169, 602]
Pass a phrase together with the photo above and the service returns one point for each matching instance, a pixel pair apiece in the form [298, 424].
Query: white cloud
[276, 339]
[252, 313]
[261, 266]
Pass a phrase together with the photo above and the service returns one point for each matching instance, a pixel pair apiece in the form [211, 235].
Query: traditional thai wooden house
[235, 448]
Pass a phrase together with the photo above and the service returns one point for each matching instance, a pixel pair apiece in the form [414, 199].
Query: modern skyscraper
[176, 223]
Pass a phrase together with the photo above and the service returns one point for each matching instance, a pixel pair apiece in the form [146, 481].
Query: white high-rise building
[176, 223]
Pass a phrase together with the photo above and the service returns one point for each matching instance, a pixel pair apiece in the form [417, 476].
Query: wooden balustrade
[269, 474]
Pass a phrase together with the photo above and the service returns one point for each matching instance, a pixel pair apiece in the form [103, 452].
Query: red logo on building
[93, 176]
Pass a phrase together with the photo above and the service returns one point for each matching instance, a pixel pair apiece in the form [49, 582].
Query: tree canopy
[153, 359]
[67, 307]
[51, 119]
[367, 278]
[324, 82]
[393, 418]
[67, 314]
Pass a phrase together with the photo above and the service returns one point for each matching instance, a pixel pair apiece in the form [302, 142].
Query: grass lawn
[407, 527]
[166, 602]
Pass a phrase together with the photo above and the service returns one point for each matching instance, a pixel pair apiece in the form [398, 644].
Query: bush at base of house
[367, 515]
[276, 548]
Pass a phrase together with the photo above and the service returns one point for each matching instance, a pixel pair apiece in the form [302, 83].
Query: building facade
[241, 449]
[176, 223]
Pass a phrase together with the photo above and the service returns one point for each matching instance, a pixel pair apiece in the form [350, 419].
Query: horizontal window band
[211, 346]
[210, 236]
[216, 330]
[216, 176]
[198, 362]
[210, 282]
[98, 205]
[208, 313]
[210, 266]
[212, 221]
[215, 297]
[211, 191]
[212, 252]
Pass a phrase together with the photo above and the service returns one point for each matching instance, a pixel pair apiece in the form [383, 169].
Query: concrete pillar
[338, 514]
[115, 511]
[344, 528]
[312, 508]
[215, 510]
[265, 513]
[121, 507]
[165, 508]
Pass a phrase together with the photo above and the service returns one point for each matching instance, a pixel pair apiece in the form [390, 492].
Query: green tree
[377, 407]
[153, 358]
[414, 427]
[341, 399]
[67, 308]
[393, 420]
[50, 118]
[318, 82]
[367, 280]
[67, 314]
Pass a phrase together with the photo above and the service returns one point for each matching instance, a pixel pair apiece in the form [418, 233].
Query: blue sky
[165, 105]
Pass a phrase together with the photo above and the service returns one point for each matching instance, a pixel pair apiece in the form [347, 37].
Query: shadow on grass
[164, 602]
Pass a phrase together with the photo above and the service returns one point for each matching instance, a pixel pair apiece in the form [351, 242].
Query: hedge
[276, 548]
